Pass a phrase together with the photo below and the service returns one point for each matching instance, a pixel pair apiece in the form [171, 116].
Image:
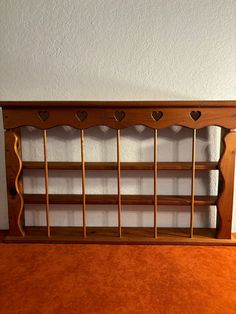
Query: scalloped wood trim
[13, 169]
[49, 118]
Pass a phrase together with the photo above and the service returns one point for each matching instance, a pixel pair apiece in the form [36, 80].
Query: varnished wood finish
[46, 181]
[83, 181]
[3, 234]
[155, 183]
[193, 181]
[102, 235]
[110, 199]
[225, 201]
[14, 117]
[14, 195]
[70, 165]
[20, 177]
[118, 183]
[223, 133]
[119, 104]
[119, 115]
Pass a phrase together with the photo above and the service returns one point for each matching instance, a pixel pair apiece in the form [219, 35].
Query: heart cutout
[119, 115]
[43, 115]
[157, 115]
[195, 115]
[81, 115]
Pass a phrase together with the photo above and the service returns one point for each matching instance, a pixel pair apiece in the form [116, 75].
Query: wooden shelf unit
[119, 115]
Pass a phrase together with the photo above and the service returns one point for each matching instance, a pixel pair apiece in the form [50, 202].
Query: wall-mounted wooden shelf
[119, 115]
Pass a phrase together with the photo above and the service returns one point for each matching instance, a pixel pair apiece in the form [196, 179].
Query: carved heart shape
[81, 115]
[195, 115]
[119, 115]
[43, 115]
[157, 115]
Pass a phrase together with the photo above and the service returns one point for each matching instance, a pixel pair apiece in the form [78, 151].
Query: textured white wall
[130, 49]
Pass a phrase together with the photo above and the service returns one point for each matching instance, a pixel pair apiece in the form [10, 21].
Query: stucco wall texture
[117, 50]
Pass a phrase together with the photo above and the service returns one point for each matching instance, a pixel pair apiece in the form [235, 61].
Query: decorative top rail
[119, 114]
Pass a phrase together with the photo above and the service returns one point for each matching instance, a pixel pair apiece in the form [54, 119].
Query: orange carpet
[117, 279]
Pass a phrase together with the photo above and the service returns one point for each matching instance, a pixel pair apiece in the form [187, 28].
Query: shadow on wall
[83, 83]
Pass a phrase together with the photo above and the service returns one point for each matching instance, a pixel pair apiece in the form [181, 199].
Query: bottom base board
[130, 235]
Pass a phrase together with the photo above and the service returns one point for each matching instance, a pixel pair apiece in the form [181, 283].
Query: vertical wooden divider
[83, 182]
[46, 181]
[155, 183]
[193, 181]
[118, 182]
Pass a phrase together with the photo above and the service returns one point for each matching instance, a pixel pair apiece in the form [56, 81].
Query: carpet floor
[104, 279]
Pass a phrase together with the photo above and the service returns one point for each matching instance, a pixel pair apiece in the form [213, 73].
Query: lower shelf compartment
[130, 235]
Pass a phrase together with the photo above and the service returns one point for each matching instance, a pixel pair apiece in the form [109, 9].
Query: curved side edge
[225, 200]
[21, 207]
[13, 171]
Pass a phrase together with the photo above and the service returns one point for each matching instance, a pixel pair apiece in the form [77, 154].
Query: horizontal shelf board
[117, 104]
[110, 199]
[130, 235]
[124, 165]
